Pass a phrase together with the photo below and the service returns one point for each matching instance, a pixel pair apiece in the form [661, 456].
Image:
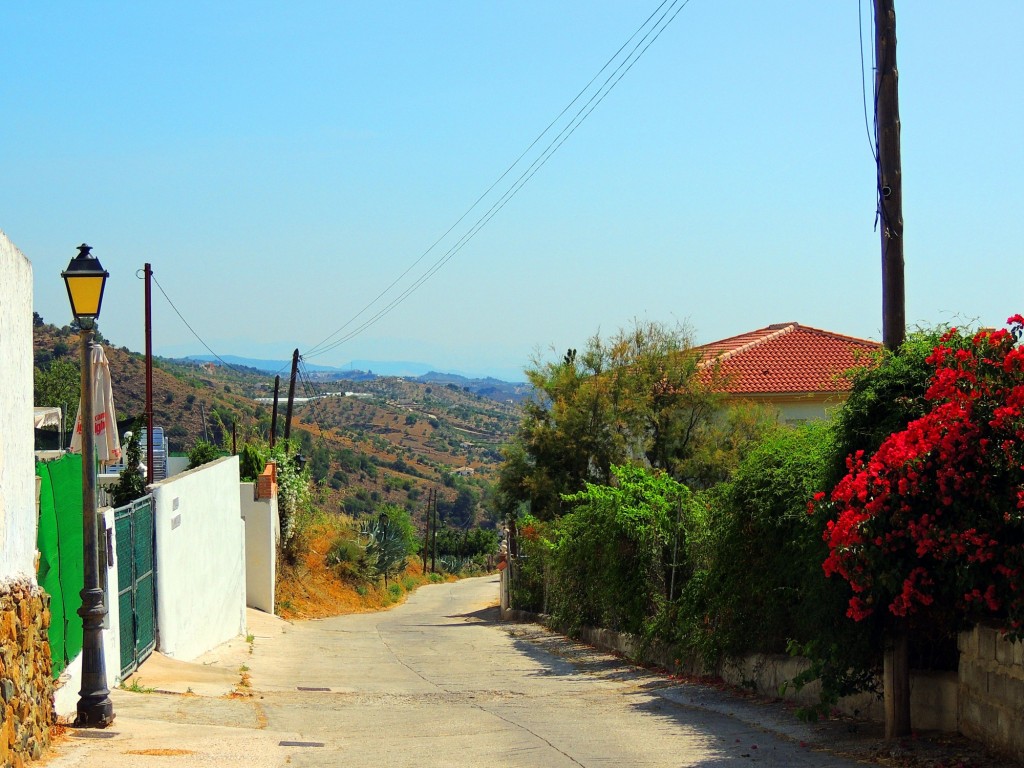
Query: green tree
[131, 484]
[462, 510]
[201, 453]
[635, 398]
[757, 583]
[59, 384]
[724, 441]
[252, 459]
[608, 554]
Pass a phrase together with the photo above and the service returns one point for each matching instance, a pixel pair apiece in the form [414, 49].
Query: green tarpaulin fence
[60, 553]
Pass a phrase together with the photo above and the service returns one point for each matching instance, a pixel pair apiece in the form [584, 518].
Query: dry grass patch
[312, 589]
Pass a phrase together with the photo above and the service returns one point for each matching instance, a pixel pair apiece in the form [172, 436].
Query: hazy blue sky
[280, 164]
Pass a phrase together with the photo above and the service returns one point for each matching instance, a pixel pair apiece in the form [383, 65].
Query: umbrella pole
[95, 708]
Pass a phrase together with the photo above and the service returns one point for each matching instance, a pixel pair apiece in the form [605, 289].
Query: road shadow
[489, 615]
[743, 727]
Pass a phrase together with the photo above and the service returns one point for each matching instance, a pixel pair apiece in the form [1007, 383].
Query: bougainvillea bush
[930, 527]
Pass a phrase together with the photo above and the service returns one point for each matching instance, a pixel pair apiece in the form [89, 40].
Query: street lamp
[85, 280]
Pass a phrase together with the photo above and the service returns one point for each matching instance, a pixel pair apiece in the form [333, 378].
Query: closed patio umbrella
[108, 445]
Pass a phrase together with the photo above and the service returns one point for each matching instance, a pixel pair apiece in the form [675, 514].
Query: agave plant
[387, 548]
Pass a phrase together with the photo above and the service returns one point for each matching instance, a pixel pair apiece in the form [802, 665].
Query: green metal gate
[136, 596]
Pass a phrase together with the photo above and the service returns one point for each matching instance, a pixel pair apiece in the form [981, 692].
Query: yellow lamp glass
[85, 279]
[86, 293]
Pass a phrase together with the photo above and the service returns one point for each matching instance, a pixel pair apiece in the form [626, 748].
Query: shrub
[349, 558]
[391, 540]
[607, 564]
[757, 583]
[201, 453]
[294, 499]
[930, 528]
[252, 461]
[131, 485]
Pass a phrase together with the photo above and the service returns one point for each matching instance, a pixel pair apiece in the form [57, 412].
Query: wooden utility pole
[291, 396]
[896, 681]
[890, 181]
[426, 532]
[896, 665]
[273, 417]
[433, 550]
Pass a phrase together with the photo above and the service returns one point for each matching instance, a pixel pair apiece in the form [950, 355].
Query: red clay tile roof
[786, 358]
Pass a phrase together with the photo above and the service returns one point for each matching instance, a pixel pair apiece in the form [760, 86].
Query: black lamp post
[85, 280]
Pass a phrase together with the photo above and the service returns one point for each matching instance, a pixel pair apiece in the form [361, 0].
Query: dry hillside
[387, 439]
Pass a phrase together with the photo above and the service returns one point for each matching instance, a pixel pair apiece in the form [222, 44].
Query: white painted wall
[200, 559]
[795, 409]
[17, 461]
[176, 465]
[262, 536]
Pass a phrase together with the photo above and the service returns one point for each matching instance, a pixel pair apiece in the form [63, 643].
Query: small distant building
[464, 471]
[799, 370]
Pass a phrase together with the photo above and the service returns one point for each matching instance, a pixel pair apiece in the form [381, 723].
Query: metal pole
[675, 551]
[149, 375]
[95, 709]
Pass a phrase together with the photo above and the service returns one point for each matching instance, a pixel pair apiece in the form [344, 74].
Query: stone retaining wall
[984, 700]
[26, 682]
[933, 694]
[992, 690]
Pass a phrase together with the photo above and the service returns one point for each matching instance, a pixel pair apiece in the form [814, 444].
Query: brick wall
[26, 683]
[266, 483]
[991, 701]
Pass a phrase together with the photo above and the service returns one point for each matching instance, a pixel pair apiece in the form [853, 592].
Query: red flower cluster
[936, 516]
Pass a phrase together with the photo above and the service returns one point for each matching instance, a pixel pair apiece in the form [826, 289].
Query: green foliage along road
[922, 522]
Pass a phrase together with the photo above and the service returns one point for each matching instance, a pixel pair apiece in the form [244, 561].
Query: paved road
[439, 682]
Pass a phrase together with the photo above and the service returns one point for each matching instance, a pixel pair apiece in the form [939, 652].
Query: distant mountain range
[362, 370]
[376, 367]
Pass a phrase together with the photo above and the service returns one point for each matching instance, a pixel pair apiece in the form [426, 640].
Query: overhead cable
[621, 69]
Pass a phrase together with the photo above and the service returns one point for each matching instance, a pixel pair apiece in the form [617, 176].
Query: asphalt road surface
[438, 681]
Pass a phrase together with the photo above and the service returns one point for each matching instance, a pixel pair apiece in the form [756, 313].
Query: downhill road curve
[438, 681]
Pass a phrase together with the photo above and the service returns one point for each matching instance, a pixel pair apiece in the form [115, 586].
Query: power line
[872, 140]
[198, 337]
[311, 391]
[528, 174]
[556, 143]
[317, 349]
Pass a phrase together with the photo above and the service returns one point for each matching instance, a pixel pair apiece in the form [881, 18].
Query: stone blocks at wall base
[26, 682]
[992, 690]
